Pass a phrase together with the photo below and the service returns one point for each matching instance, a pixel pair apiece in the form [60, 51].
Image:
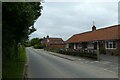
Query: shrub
[102, 50]
[79, 53]
[85, 54]
[38, 46]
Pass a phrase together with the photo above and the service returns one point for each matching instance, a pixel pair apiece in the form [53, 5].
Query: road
[44, 65]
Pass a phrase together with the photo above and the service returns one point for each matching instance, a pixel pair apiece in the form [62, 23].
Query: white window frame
[110, 43]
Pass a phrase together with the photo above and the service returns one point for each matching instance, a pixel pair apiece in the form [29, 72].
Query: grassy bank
[14, 69]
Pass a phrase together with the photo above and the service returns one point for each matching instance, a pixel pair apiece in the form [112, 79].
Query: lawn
[14, 69]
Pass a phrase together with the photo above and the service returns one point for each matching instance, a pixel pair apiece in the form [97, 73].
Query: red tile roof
[108, 33]
[53, 40]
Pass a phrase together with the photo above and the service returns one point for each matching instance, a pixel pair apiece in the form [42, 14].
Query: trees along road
[44, 65]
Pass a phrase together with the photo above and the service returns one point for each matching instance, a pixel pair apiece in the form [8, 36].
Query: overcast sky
[64, 19]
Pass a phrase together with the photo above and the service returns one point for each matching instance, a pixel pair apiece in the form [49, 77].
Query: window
[79, 45]
[110, 44]
[90, 45]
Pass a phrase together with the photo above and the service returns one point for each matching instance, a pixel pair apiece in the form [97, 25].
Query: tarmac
[107, 62]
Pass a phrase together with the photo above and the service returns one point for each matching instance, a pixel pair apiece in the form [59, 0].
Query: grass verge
[14, 69]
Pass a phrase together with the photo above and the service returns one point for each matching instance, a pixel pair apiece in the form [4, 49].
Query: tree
[34, 41]
[17, 18]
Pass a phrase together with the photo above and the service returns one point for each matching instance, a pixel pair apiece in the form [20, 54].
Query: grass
[14, 69]
[22, 53]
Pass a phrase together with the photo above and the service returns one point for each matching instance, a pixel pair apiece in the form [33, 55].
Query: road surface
[44, 65]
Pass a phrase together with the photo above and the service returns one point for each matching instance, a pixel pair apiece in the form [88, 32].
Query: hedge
[92, 55]
[85, 54]
[38, 46]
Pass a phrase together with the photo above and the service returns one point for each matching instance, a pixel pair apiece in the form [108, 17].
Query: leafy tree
[34, 41]
[17, 18]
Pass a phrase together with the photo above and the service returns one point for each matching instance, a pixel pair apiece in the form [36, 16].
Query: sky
[64, 19]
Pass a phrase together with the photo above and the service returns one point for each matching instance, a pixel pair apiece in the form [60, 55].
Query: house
[106, 40]
[53, 43]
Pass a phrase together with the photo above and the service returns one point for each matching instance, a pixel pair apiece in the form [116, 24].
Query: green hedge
[13, 69]
[38, 46]
[92, 55]
[52, 50]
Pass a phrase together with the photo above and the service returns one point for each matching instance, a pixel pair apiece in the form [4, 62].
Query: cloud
[64, 19]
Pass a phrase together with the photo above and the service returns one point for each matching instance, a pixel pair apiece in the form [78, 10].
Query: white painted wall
[74, 46]
[67, 45]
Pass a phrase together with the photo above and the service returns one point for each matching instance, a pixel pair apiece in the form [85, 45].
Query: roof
[108, 33]
[54, 40]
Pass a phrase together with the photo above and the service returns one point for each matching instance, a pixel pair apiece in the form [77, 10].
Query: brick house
[53, 43]
[106, 40]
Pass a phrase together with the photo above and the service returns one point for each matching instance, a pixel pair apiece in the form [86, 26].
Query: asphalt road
[44, 65]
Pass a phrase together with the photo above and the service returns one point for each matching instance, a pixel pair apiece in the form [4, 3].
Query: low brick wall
[111, 52]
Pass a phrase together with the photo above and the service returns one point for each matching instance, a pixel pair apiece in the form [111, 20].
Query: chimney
[93, 28]
[47, 36]
[43, 37]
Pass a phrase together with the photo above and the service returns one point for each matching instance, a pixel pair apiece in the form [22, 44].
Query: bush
[85, 54]
[38, 46]
[52, 49]
[79, 53]
[13, 69]
[102, 50]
